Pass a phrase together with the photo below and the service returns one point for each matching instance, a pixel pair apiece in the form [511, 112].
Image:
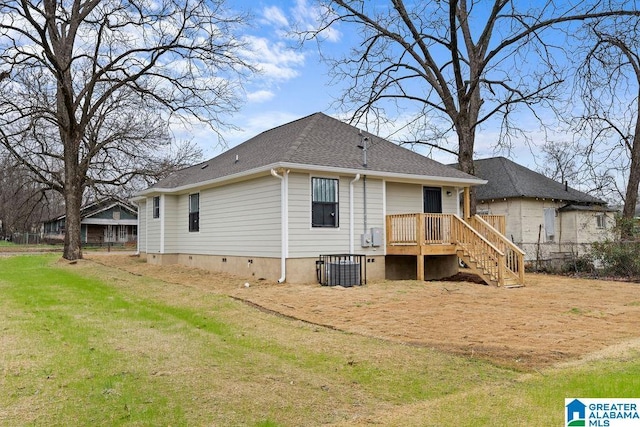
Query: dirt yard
[552, 319]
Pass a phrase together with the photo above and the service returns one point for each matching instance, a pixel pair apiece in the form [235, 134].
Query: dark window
[194, 212]
[324, 202]
[156, 207]
[432, 198]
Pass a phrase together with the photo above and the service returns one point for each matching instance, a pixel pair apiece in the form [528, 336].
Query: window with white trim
[601, 220]
[324, 202]
[156, 207]
[194, 212]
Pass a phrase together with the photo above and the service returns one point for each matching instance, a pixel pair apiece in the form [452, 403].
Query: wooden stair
[481, 246]
[488, 253]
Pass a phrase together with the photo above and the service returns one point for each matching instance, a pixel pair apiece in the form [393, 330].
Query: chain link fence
[26, 238]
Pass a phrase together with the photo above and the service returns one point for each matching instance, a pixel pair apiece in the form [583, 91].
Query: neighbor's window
[194, 212]
[324, 202]
[550, 223]
[601, 220]
[156, 207]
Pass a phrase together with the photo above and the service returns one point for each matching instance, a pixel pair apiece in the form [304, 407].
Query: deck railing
[496, 221]
[499, 257]
[419, 229]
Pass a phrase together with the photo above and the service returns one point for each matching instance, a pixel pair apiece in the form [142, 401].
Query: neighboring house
[547, 219]
[105, 221]
[270, 207]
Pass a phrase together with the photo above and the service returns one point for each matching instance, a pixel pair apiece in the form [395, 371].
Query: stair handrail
[509, 245]
[498, 256]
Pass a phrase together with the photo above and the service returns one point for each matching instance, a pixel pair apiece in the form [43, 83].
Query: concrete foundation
[298, 270]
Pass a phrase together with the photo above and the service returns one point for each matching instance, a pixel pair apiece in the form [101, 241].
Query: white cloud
[309, 18]
[260, 96]
[274, 59]
[273, 15]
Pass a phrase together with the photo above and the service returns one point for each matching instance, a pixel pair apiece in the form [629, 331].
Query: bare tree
[24, 204]
[93, 83]
[580, 166]
[457, 63]
[609, 86]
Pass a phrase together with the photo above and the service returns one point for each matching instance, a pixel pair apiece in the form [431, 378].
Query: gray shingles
[315, 140]
[506, 179]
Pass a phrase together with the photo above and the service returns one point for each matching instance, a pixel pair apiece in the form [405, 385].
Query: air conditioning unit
[343, 273]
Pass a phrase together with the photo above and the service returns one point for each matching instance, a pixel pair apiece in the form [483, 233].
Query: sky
[294, 83]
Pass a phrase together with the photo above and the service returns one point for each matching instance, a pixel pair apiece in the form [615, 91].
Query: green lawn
[86, 345]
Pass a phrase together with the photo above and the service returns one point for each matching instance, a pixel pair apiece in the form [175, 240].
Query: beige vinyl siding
[308, 241]
[153, 226]
[239, 219]
[172, 223]
[142, 225]
[407, 198]
[375, 213]
[305, 240]
[403, 198]
[449, 201]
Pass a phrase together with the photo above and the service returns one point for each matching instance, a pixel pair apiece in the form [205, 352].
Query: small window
[194, 212]
[550, 223]
[601, 220]
[156, 207]
[324, 202]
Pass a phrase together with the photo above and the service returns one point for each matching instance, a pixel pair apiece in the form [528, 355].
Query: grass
[87, 345]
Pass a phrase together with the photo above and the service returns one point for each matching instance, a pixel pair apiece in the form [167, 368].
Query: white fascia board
[266, 170]
[389, 175]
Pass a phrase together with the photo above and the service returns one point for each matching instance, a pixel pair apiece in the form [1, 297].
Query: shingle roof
[96, 206]
[315, 140]
[508, 179]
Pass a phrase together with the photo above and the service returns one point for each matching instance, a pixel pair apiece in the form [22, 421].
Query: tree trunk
[631, 198]
[465, 160]
[72, 233]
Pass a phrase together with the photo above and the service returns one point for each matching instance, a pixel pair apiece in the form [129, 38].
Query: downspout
[352, 213]
[146, 226]
[284, 221]
[162, 215]
[364, 201]
[138, 230]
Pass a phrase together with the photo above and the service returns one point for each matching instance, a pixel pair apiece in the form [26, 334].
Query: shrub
[618, 258]
[579, 264]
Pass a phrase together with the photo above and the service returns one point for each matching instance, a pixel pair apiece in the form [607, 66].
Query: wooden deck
[479, 242]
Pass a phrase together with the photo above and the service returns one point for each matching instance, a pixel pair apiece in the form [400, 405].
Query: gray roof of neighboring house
[507, 179]
[97, 206]
[315, 140]
[587, 208]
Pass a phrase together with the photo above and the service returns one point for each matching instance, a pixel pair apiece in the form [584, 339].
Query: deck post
[467, 203]
[421, 235]
[420, 259]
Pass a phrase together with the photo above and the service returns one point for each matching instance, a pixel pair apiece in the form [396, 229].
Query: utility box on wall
[376, 237]
[365, 240]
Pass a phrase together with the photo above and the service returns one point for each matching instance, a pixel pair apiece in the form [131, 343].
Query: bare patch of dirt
[553, 319]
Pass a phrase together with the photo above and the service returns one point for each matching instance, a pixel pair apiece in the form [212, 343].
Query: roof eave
[463, 182]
